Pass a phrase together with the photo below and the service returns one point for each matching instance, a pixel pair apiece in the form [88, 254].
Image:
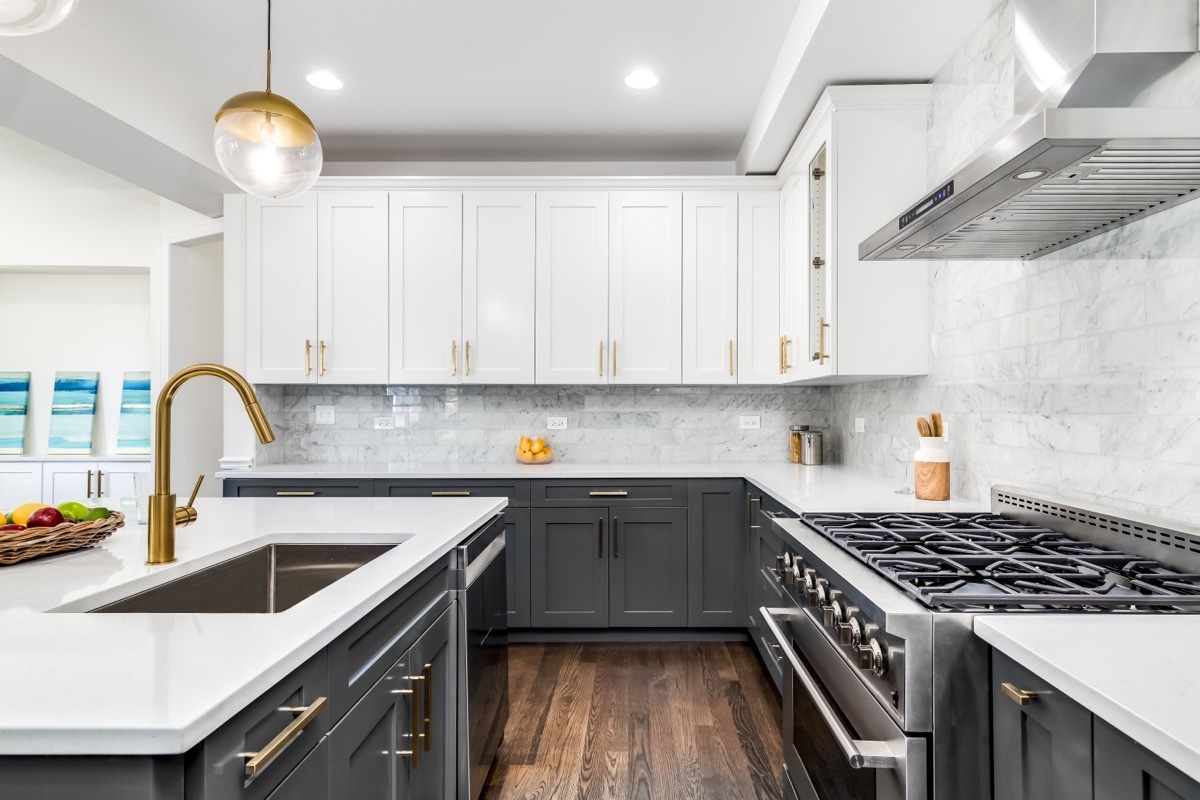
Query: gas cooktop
[992, 562]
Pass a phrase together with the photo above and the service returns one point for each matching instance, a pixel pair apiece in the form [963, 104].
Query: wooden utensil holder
[932, 480]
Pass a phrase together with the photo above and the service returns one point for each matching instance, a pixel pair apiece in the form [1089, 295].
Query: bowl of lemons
[534, 451]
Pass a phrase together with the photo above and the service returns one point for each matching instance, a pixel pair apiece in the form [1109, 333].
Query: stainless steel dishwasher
[481, 580]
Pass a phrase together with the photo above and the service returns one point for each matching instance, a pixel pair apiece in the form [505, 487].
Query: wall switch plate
[385, 423]
[324, 415]
[860, 425]
[749, 423]
[556, 423]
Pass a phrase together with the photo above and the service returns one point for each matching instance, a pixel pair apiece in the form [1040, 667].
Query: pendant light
[23, 17]
[265, 143]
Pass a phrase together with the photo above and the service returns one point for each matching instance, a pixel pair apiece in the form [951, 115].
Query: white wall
[58, 322]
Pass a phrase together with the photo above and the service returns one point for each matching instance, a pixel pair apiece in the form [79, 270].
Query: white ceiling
[480, 81]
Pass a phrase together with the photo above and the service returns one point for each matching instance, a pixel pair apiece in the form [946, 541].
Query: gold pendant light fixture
[265, 143]
[23, 17]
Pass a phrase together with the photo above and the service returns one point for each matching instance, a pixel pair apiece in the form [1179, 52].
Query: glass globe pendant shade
[267, 145]
[24, 17]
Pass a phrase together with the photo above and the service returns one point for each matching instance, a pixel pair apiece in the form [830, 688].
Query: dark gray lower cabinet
[517, 554]
[310, 780]
[568, 568]
[717, 549]
[648, 568]
[324, 487]
[1041, 745]
[1127, 771]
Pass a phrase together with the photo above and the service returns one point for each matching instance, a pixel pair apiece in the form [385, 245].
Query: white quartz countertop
[1135, 672]
[75, 683]
[802, 489]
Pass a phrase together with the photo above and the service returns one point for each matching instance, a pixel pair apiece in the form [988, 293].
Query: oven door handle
[861, 754]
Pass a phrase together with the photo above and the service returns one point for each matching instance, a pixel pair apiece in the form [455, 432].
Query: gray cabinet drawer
[247, 487]
[517, 491]
[216, 768]
[609, 493]
[360, 656]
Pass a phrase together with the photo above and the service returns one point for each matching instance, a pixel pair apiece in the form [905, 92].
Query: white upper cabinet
[572, 287]
[859, 158]
[281, 290]
[425, 287]
[645, 287]
[762, 351]
[710, 287]
[352, 280]
[498, 303]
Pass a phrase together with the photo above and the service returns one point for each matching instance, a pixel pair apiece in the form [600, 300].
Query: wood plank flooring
[638, 721]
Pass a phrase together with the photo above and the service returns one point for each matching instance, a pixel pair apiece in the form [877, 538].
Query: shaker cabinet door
[569, 568]
[1127, 771]
[352, 274]
[425, 287]
[281, 290]
[762, 352]
[710, 287]
[648, 568]
[717, 549]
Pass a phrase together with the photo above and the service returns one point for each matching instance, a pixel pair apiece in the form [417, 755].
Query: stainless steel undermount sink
[268, 580]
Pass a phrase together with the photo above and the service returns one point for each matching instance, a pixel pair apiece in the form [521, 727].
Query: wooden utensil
[937, 423]
[923, 427]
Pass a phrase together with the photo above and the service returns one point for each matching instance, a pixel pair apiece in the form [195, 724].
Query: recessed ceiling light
[324, 80]
[641, 79]
[1029, 175]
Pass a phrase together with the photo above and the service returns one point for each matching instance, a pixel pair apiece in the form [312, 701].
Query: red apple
[12, 528]
[45, 518]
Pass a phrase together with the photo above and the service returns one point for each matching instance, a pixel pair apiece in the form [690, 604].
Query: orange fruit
[20, 514]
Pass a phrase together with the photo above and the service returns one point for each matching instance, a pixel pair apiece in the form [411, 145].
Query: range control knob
[854, 636]
[879, 657]
[820, 596]
[810, 580]
[787, 560]
[797, 573]
[782, 573]
[846, 627]
[835, 615]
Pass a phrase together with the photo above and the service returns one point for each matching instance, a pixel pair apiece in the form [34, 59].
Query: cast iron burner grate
[990, 562]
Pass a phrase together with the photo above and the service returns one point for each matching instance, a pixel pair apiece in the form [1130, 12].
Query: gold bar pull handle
[1021, 697]
[449, 494]
[822, 356]
[89, 492]
[614, 358]
[786, 365]
[295, 494]
[308, 356]
[321, 359]
[454, 357]
[782, 369]
[467, 348]
[731, 358]
[304, 715]
[415, 722]
[601, 359]
[615, 493]
[427, 677]
[616, 538]
[600, 538]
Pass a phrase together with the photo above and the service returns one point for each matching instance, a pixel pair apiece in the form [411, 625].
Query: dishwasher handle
[471, 568]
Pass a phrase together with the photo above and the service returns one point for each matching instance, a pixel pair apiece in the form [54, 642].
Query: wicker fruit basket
[17, 546]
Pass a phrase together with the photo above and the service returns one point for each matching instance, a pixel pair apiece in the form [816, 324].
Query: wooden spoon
[937, 423]
[923, 427]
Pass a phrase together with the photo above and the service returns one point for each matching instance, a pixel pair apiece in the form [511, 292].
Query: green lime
[73, 510]
[100, 512]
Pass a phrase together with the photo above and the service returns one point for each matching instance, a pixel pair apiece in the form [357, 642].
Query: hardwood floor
[644, 721]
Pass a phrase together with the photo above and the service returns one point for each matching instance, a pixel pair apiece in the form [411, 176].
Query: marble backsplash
[441, 424]
[1077, 373]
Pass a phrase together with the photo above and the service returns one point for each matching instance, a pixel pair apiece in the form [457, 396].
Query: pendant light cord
[268, 46]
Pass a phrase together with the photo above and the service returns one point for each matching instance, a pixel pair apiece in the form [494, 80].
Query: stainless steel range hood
[1106, 130]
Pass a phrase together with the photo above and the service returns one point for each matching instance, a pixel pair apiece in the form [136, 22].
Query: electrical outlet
[324, 415]
[556, 423]
[749, 423]
[860, 425]
[385, 423]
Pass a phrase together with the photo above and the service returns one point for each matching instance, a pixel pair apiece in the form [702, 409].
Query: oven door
[839, 743]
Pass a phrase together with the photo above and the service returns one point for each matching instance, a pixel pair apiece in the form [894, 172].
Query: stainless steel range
[885, 686]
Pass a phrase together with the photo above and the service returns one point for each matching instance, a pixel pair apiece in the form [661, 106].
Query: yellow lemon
[538, 446]
[20, 514]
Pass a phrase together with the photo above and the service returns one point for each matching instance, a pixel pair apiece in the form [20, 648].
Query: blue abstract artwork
[73, 413]
[14, 410]
[133, 430]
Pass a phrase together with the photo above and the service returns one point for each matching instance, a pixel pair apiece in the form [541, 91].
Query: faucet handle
[196, 489]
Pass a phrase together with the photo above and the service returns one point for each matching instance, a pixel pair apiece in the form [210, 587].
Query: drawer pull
[600, 538]
[608, 494]
[1021, 697]
[450, 494]
[305, 714]
[295, 494]
[427, 677]
[616, 538]
[415, 752]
